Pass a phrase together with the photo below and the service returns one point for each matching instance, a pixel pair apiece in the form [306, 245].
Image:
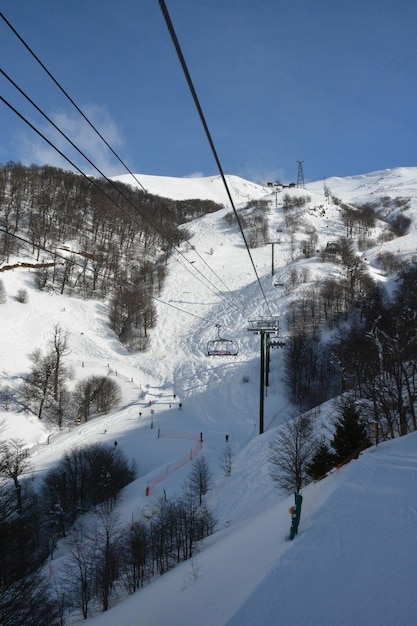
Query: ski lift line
[371, 93]
[74, 146]
[219, 278]
[91, 181]
[372, 89]
[207, 131]
[173, 306]
[87, 269]
[88, 178]
[71, 100]
[215, 289]
[43, 248]
[56, 254]
[48, 119]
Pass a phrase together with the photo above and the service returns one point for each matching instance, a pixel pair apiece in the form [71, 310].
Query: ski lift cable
[71, 100]
[177, 308]
[239, 303]
[375, 87]
[216, 290]
[61, 132]
[207, 131]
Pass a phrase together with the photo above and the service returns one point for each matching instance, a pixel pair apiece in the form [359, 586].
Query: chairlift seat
[222, 347]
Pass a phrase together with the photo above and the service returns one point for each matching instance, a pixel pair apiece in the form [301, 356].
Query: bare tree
[108, 536]
[201, 478]
[80, 572]
[135, 556]
[293, 278]
[309, 245]
[27, 601]
[38, 385]
[99, 390]
[6, 396]
[291, 452]
[108, 394]
[226, 459]
[13, 463]
[59, 347]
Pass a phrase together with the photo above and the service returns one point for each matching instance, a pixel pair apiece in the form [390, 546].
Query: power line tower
[300, 176]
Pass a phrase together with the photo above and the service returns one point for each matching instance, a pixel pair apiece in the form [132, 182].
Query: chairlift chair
[275, 341]
[222, 346]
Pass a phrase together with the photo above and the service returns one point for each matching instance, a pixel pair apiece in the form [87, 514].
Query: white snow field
[354, 560]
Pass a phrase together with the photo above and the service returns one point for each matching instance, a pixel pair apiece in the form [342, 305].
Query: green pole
[262, 385]
[295, 515]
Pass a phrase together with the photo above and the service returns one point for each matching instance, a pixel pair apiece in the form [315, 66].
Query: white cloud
[83, 136]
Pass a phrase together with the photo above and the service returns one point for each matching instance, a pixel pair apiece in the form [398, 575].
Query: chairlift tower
[300, 175]
[264, 327]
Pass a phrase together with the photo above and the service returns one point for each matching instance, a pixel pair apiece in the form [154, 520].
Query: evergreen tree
[350, 432]
[322, 461]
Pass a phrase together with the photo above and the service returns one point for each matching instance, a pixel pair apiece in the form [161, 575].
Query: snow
[354, 560]
[204, 188]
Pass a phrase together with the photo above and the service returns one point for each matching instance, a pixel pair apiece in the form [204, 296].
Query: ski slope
[354, 561]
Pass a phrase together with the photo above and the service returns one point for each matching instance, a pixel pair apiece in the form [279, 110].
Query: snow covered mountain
[354, 560]
[204, 188]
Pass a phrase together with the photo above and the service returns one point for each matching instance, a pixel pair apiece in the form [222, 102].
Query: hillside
[354, 560]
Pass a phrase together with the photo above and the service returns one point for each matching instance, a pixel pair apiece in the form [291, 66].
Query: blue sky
[334, 84]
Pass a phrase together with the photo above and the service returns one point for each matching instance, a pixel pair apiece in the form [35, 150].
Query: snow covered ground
[354, 561]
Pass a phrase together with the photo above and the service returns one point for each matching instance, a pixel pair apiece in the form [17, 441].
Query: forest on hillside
[347, 333]
[94, 237]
